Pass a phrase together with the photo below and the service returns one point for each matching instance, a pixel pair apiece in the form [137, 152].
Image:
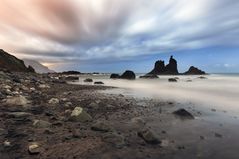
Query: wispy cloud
[78, 30]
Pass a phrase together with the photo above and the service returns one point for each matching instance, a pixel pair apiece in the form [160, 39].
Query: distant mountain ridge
[39, 68]
[11, 63]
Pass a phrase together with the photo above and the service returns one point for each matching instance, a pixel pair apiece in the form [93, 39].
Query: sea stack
[194, 71]
[161, 69]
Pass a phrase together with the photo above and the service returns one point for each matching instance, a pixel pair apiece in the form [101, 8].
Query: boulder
[19, 114]
[19, 100]
[79, 115]
[149, 136]
[182, 113]
[128, 75]
[101, 126]
[194, 71]
[114, 76]
[149, 76]
[88, 80]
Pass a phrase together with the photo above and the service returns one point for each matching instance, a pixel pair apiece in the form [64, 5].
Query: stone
[183, 114]
[18, 100]
[88, 80]
[172, 80]
[71, 78]
[130, 75]
[79, 115]
[54, 101]
[68, 104]
[98, 82]
[149, 136]
[116, 140]
[41, 124]
[114, 76]
[101, 126]
[34, 149]
[7, 143]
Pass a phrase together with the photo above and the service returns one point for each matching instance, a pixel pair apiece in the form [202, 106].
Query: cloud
[104, 30]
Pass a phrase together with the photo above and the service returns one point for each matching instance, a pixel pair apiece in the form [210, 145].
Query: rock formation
[128, 75]
[161, 69]
[194, 71]
[11, 63]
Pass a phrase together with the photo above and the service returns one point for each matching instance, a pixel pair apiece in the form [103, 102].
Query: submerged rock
[183, 114]
[79, 115]
[128, 75]
[149, 136]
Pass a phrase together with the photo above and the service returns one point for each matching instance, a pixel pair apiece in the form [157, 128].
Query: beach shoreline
[124, 120]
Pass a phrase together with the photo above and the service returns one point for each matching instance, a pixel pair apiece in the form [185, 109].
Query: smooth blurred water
[217, 91]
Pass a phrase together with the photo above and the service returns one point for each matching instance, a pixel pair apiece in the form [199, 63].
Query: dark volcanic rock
[161, 69]
[98, 82]
[114, 75]
[194, 71]
[72, 78]
[172, 80]
[183, 114]
[128, 75]
[11, 63]
[88, 80]
[149, 76]
[172, 67]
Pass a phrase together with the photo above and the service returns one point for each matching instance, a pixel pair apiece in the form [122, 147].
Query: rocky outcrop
[11, 63]
[161, 69]
[128, 75]
[114, 76]
[194, 71]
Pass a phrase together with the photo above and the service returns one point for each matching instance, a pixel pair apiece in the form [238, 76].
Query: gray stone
[79, 115]
[34, 149]
[19, 100]
[149, 136]
[54, 101]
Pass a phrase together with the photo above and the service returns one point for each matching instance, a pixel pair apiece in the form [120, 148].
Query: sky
[115, 35]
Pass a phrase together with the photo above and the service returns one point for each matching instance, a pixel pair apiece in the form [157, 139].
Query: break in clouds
[69, 31]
